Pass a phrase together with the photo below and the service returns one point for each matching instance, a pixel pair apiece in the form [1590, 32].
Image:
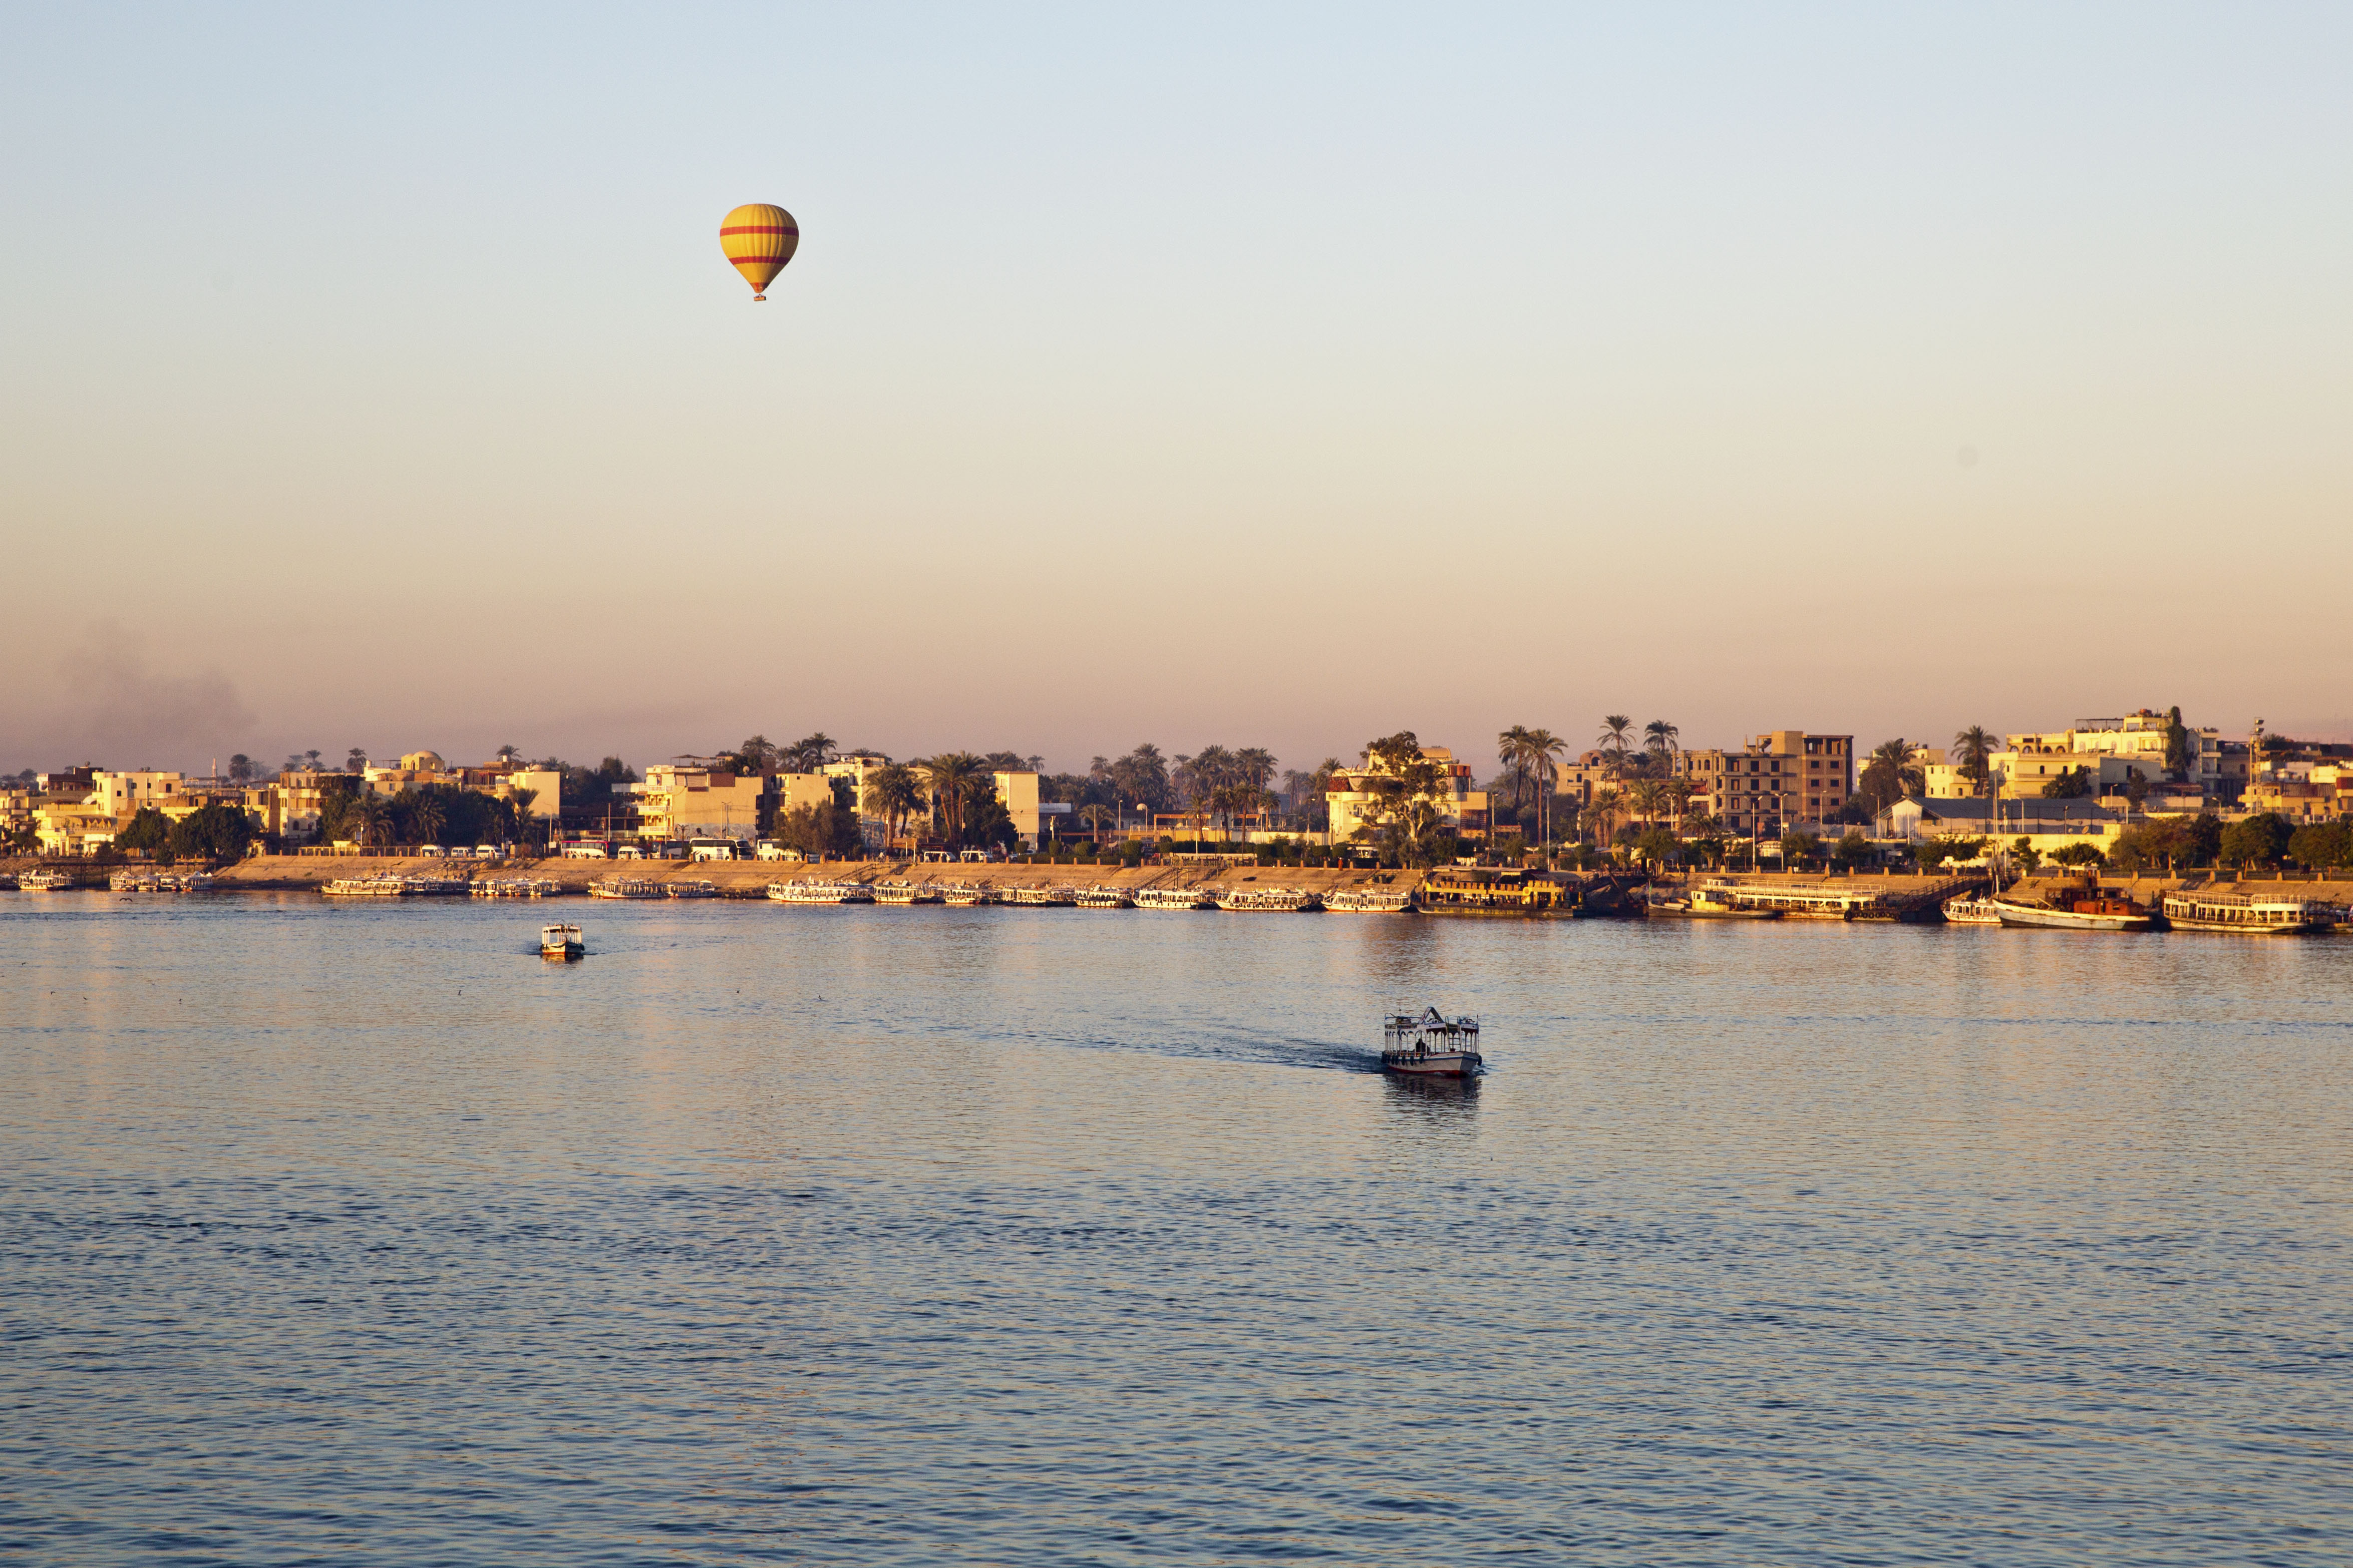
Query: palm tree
[1663, 737]
[953, 779]
[1615, 729]
[1095, 816]
[1543, 748]
[896, 792]
[807, 755]
[1608, 803]
[1976, 746]
[425, 819]
[1512, 751]
[1647, 795]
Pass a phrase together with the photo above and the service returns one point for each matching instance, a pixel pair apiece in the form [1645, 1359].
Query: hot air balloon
[758, 240]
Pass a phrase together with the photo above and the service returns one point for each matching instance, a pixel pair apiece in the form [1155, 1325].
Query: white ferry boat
[1268, 900]
[45, 881]
[190, 881]
[1105, 898]
[900, 891]
[379, 887]
[1430, 1045]
[136, 882]
[1970, 909]
[626, 888]
[691, 889]
[1369, 901]
[1171, 899]
[561, 941]
[2247, 914]
[516, 888]
[1039, 898]
[817, 891]
[967, 893]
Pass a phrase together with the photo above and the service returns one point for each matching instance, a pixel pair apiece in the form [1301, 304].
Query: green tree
[211, 832]
[1658, 846]
[2079, 854]
[148, 829]
[1853, 850]
[2072, 784]
[2257, 840]
[2029, 858]
[956, 781]
[2315, 845]
[1799, 846]
[2180, 746]
[1932, 853]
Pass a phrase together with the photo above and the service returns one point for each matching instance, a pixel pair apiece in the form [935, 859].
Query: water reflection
[1446, 1105]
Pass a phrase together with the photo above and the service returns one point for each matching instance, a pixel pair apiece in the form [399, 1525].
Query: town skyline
[1483, 368]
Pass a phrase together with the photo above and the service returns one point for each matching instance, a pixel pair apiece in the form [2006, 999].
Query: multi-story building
[124, 794]
[2137, 739]
[1352, 805]
[695, 800]
[1016, 791]
[1776, 780]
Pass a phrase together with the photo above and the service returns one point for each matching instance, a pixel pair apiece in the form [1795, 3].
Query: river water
[1043, 1236]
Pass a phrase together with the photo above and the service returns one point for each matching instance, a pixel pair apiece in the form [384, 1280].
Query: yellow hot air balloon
[758, 240]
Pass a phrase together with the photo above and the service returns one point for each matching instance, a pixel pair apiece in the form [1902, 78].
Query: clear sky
[1265, 376]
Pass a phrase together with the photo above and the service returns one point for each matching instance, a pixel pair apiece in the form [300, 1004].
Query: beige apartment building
[1777, 779]
[1353, 806]
[695, 801]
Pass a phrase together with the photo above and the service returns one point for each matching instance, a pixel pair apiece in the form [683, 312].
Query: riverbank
[750, 879]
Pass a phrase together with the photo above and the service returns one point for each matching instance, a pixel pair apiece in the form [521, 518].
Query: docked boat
[2072, 906]
[1709, 903]
[516, 888]
[964, 894]
[819, 891]
[383, 887]
[1369, 901]
[626, 888]
[1970, 909]
[45, 881]
[2246, 914]
[691, 889]
[190, 881]
[1039, 898]
[1268, 900]
[1105, 898]
[136, 882]
[1430, 1045]
[905, 892]
[1171, 899]
[561, 941]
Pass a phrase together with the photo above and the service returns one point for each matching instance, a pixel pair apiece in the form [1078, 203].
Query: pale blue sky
[1274, 379]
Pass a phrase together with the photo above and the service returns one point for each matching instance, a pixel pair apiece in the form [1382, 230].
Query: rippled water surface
[888, 1236]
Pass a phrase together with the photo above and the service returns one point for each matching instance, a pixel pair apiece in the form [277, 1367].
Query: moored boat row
[390, 886]
[145, 879]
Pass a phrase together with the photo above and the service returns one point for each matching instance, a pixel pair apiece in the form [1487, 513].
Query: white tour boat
[1105, 898]
[45, 881]
[2247, 914]
[516, 888]
[900, 891]
[691, 889]
[1970, 909]
[819, 891]
[561, 941]
[1712, 903]
[626, 888]
[1430, 1045]
[1171, 899]
[1039, 898]
[1369, 901]
[967, 893]
[1268, 900]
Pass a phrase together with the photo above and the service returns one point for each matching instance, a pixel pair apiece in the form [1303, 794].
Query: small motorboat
[561, 941]
[1706, 904]
[1430, 1045]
